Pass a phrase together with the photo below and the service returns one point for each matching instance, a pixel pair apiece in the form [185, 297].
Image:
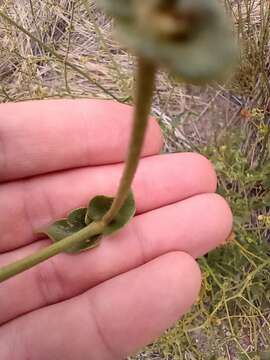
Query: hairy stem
[144, 93]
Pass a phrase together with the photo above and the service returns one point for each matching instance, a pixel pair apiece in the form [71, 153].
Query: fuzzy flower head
[192, 38]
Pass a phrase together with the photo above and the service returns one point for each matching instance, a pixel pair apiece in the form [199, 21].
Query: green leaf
[66, 227]
[80, 218]
[97, 208]
[100, 205]
[77, 217]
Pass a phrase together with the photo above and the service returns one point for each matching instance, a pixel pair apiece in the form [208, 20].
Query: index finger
[38, 137]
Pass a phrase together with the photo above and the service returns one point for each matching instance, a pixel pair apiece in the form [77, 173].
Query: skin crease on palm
[111, 301]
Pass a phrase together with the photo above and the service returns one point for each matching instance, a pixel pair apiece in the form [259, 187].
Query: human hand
[110, 301]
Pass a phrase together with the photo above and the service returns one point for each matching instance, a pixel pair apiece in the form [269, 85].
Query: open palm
[108, 302]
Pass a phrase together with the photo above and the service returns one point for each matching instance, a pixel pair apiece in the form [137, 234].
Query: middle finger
[195, 225]
[28, 205]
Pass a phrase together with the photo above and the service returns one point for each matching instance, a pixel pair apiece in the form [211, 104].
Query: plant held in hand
[193, 39]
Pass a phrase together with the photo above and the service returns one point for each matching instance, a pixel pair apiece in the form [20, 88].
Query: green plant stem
[143, 100]
[144, 93]
[28, 262]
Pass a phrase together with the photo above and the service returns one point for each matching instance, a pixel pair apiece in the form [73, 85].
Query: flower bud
[192, 38]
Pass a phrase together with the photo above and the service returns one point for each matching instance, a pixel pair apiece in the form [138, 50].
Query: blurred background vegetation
[65, 48]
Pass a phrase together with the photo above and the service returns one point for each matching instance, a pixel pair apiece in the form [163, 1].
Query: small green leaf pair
[80, 218]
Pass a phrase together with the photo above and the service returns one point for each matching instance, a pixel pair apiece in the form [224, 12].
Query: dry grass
[71, 53]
